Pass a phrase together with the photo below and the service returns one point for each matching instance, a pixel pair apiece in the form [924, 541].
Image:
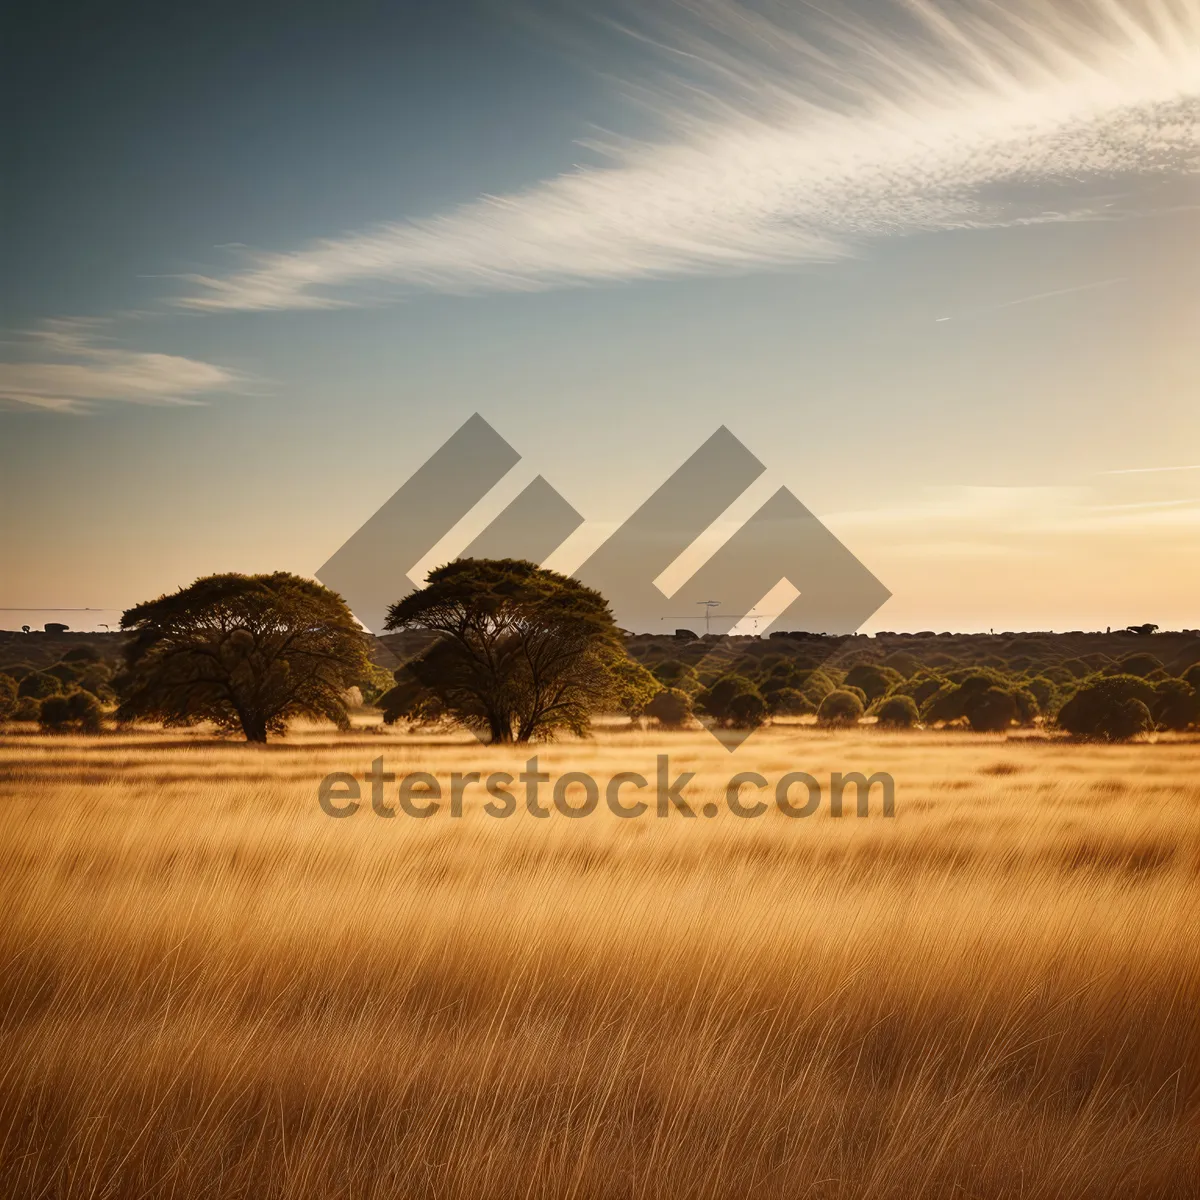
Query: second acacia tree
[521, 652]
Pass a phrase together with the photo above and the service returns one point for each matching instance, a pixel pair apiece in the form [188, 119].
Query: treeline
[517, 653]
[72, 693]
[1040, 682]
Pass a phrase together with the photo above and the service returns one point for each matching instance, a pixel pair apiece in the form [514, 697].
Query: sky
[934, 265]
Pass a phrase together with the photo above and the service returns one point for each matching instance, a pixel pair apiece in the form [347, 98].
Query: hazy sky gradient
[939, 274]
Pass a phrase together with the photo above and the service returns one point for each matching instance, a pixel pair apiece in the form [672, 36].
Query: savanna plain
[210, 988]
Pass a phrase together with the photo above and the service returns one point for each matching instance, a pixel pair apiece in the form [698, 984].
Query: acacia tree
[521, 652]
[246, 652]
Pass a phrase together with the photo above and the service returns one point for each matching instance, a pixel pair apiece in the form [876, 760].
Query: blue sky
[937, 271]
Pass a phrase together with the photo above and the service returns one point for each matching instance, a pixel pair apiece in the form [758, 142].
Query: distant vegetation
[982, 683]
[519, 653]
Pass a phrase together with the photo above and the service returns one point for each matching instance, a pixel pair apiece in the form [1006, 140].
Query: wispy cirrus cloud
[1037, 296]
[68, 364]
[786, 143]
[1151, 470]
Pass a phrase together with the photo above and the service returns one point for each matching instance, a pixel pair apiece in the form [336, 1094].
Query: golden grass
[209, 988]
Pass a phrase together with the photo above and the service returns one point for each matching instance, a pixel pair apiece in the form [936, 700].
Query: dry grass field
[210, 988]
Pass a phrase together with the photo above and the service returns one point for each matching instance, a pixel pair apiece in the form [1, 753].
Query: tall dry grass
[209, 988]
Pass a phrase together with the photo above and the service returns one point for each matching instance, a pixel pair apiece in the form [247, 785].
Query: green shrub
[27, 709]
[1026, 702]
[1110, 708]
[898, 712]
[840, 707]
[1176, 704]
[74, 711]
[671, 708]
[83, 654]
[873, 681]
[675, 674]
[903, 662]
[991, 710]
[66, 673]
[37, 685]
[375, 682]
[949, 702]
[788, 702]
[1058, 675]
[8, 696]
[1045, 693]
[815, 684]
[97, 677]
[1136, 664]
[718, 700]
[920, 686]
[747, 710]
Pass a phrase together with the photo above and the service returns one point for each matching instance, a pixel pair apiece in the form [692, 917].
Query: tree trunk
[255, 729]
[500, 728]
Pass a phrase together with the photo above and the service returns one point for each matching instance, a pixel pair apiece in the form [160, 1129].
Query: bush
[96, 678]
[66, 673]
[1026, 702]
[950, 702]
[37, 685]
[990, 711]
[920, 687]
[83, 654]
[718, 701]
[1127, 719]
[8, 696]
[1110, 708]
[903, 662]
[1136, 664]
[1045, 693]
[671, 708]
[1176, 705]
[747, 710]
[375, 681]
[815, 684]
[27, 709]
[675, 674]
[898, 712]
[789, 702]
[840, 708]
[873, 681]
[77, 710]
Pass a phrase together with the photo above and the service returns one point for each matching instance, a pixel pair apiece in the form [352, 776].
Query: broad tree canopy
[247, 652]
[523, 651]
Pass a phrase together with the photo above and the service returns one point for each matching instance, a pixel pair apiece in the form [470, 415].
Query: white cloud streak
[1151, 470]
[1067, 291]
[75, 367]
[785, 146]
